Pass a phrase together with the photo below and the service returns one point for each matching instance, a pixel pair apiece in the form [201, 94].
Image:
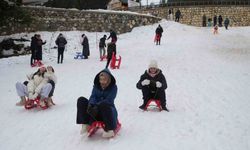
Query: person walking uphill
[60, 42]
[85, 44]
[158, 34]
[153, 85]
[100, 106]
[110, 50]
[113, 36]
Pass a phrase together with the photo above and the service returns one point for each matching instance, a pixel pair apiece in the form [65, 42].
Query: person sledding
[100, 106]
[153, 85]
[39, 85]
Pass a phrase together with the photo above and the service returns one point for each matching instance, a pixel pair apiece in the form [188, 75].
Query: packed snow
[208, 94]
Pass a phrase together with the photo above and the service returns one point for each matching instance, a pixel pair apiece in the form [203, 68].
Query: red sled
[157, 38]
[37, 63]
[156, 101]
[115, 62]
[99, 124]
[35, 103]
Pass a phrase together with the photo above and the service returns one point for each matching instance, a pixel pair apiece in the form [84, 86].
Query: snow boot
[84, 128]
[108, 134]
[49, 102]
[22, 101]
[165, 108]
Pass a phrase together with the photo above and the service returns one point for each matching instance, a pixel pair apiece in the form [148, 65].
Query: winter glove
[145, 82]
[92, 110]
[158, 84]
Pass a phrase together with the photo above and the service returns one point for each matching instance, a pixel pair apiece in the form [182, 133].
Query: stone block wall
[192, 15]
[54, 19]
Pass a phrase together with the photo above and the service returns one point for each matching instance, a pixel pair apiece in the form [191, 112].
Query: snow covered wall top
[54, 19]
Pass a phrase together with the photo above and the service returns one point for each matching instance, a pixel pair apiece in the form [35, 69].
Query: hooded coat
[106, 95]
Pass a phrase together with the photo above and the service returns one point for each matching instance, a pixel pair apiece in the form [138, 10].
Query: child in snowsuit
[153, 85]
[100, 106]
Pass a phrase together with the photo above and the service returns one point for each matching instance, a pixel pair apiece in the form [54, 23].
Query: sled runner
[99, 124]
[156, 101]
[115, 62]
[35, 103]
[37, 63]
[78, 55]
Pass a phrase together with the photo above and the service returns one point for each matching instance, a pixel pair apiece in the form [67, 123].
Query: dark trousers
[105, 114]
[60, 54]
[148, 94]
[108, 61]
[32, 58]
[53, 87]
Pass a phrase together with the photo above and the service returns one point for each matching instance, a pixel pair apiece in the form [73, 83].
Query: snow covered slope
[208, 93]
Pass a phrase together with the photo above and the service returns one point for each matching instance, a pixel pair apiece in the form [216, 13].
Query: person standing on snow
[60, 42]
[153, 85]
[39, 53]
[33, 48]
[110, 50]
[226, 23]
[85, 44]
[100, 106]
[113, 36]
[158, 34]
[102, 46]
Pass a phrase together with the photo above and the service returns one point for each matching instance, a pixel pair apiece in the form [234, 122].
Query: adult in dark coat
[60, 42]
[85, 44]
[39, 53]
[113, 36]
[100, 106]
[215, 20]
[220, 20]
[177, 15]
[33, 47]
[153, 85]
[204, 20]
[102, 46]
[158, 33]
[110, 50]
[226, 23]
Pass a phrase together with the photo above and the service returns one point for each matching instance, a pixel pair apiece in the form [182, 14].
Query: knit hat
[153, 64]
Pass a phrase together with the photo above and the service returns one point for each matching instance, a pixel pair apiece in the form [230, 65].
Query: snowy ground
[208, 93]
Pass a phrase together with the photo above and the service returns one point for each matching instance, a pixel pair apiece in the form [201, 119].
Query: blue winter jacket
[107, 95]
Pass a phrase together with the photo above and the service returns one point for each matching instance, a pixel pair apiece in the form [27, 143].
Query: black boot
[142, 106]
[165, 108]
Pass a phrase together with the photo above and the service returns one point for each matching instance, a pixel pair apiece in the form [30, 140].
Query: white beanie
[153, 64]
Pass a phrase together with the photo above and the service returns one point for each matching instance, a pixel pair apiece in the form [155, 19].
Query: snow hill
[208, 94]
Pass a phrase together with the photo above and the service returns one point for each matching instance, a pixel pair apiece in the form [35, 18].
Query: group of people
[39, 84]
[36, 50]
[111, 47]
[100, 105]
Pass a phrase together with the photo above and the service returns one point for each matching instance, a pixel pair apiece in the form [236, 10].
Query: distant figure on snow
[102, 46]
[60, 42]
[158, 34]
[85, 45]
[226, 23]
[177, 15]
[110, 50]
[153, 85]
